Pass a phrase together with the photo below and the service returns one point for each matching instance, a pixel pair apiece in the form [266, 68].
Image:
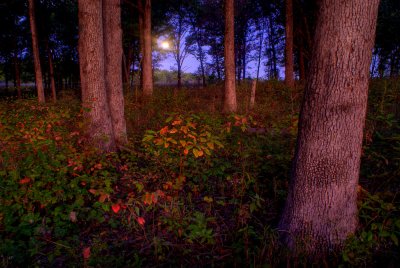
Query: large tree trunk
[113, 67]
[321, 209]
[91, 58]
[230, 105]
[35, 50]
[289, 79]
[147, 69]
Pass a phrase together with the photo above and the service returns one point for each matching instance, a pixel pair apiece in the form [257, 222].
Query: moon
[165, 45]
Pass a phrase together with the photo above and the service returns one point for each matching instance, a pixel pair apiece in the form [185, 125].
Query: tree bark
[17, 83]
[321, 208]
[35, 51]
[51, 73]
[141, 39]
[91, 58]
[289, 79]
[113, 54]
[147, 65]
[230, 105]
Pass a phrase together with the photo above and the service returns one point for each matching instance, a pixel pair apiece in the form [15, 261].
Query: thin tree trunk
[147, 70]
[141, 38]
[91, 59]
[51, 73]
[6, 78]
[35, 50]
[274, 60]
[255, 81]
[17, 83]
[201, 58]
[321, 208]
[289, 79]
[230, 105]
[113, 67]
[244, 51]
[253, 94]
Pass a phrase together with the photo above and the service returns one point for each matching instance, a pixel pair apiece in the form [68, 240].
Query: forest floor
[192, 187]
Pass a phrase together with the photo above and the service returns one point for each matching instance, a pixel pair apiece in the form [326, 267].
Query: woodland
[271, 139]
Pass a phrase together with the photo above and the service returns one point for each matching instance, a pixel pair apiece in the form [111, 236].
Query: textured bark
[112, 33]
[35, 50]
[91, 57]
[321, 209]
[289, 79]
[147, 67]
[230, 105]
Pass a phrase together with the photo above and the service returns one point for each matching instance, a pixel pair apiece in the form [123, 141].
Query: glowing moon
[165, 45]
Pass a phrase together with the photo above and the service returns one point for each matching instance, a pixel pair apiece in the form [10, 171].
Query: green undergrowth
[193, 187]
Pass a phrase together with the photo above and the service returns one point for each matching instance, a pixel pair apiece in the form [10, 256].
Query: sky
[190, 65]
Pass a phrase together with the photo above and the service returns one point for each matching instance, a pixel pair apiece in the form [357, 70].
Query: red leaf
[25, 180]
[86, 253]
[115, 208]
[141, 220]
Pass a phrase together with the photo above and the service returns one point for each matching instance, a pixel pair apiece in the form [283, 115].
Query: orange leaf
[172, 131]
[185, 152]
[164, 130]
[147, 199]
[176, 122]
[86, 253]
[141, 220]
[115, 208]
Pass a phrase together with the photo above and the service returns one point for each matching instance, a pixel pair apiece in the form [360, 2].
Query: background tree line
[259, 39]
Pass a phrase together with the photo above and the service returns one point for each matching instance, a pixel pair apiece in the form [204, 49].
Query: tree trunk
[253, 94]
[35, 51]
[274, 59]
[289, 79]
[230, 105]
[17, 83]
[91, 58]
[321, 208]
[51, 73]
[147, 71]
[6, 78]
[179, 70]
[113, 67]
[201, 58]
[141, 39]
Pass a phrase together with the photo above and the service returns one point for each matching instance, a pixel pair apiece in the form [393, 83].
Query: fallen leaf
[141, 220]
[115, 208]
[86, 253]
[25, 180]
